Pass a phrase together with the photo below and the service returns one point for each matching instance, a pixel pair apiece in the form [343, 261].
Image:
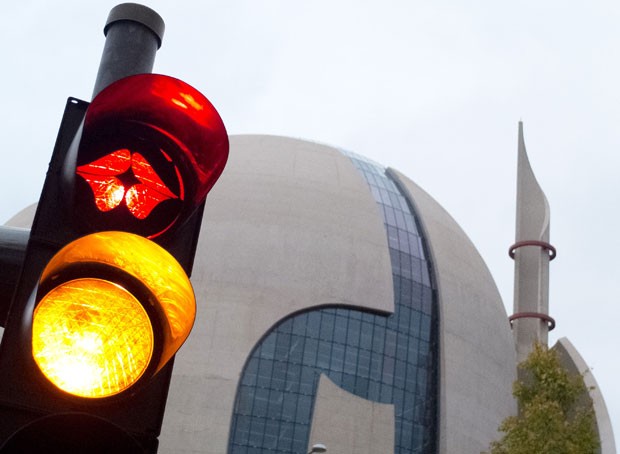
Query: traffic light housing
[150, 150]
[111, 246]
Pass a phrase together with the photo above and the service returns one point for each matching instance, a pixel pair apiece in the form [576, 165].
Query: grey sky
[434, 89]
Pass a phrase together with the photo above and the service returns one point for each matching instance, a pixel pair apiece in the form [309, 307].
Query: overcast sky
[433, 89]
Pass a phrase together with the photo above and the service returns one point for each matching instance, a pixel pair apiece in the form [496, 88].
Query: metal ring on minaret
[545, 317]
[542, 244]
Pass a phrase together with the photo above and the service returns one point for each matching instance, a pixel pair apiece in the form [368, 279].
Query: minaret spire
[531, 252]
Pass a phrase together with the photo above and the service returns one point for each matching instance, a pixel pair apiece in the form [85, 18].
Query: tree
[555, 412]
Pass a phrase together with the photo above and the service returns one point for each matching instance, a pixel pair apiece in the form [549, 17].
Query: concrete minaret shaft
[531, 252]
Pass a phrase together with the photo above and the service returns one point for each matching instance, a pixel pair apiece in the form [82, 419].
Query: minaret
[531, 253]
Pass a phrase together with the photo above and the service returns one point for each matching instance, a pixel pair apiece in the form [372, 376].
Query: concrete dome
[292, 225]
[291, 228]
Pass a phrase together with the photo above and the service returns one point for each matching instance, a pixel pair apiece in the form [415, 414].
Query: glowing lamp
[150, 149]
[112, 308]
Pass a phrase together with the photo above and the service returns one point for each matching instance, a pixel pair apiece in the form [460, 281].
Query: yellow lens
[91, 338]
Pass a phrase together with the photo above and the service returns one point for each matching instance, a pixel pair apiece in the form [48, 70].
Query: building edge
[575, 364]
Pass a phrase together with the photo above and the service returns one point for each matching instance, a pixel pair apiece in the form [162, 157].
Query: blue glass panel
[340, 330]
[378, 340]
[337, 362]
[304, 405]
[278, 376]
[249, 375]
[257, 430]
[323, 355]
[268, 347]
[353, 331]
[326, 331]
[310, 351]
[296, 349]
[306, 386]
[272, 429]
[275, 404]
[361, 386]
[245, 401]
[374, 388]
[376, 366]
[289, 407]
[299, 324]
[285, 438]
[242, 429]
[314, 323]
[300, 438]
[363, 363]
[348, 381]
[366, 333]
[265, 367]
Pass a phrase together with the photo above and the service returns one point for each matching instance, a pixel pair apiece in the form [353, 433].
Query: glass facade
[388, 359]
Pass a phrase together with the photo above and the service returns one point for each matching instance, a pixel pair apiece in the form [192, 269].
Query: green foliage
[554, 415]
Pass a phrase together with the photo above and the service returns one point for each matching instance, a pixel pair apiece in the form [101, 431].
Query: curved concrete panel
[574, 363]
[346, 423]
[290, 225]
[477, 353]
[24, 218]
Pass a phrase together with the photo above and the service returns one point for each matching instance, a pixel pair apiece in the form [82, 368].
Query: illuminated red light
[109, 191]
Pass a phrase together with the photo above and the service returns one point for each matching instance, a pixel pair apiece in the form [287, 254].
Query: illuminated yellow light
[91, 338]
[75, 318]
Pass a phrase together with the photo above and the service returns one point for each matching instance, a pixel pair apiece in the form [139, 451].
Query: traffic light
[135, 156]
[104, 299]
[111, 309]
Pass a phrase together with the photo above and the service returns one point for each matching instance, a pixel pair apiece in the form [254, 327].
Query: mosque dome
[338, 303]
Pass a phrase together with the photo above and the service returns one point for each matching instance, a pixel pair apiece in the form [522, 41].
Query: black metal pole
[133, 34]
